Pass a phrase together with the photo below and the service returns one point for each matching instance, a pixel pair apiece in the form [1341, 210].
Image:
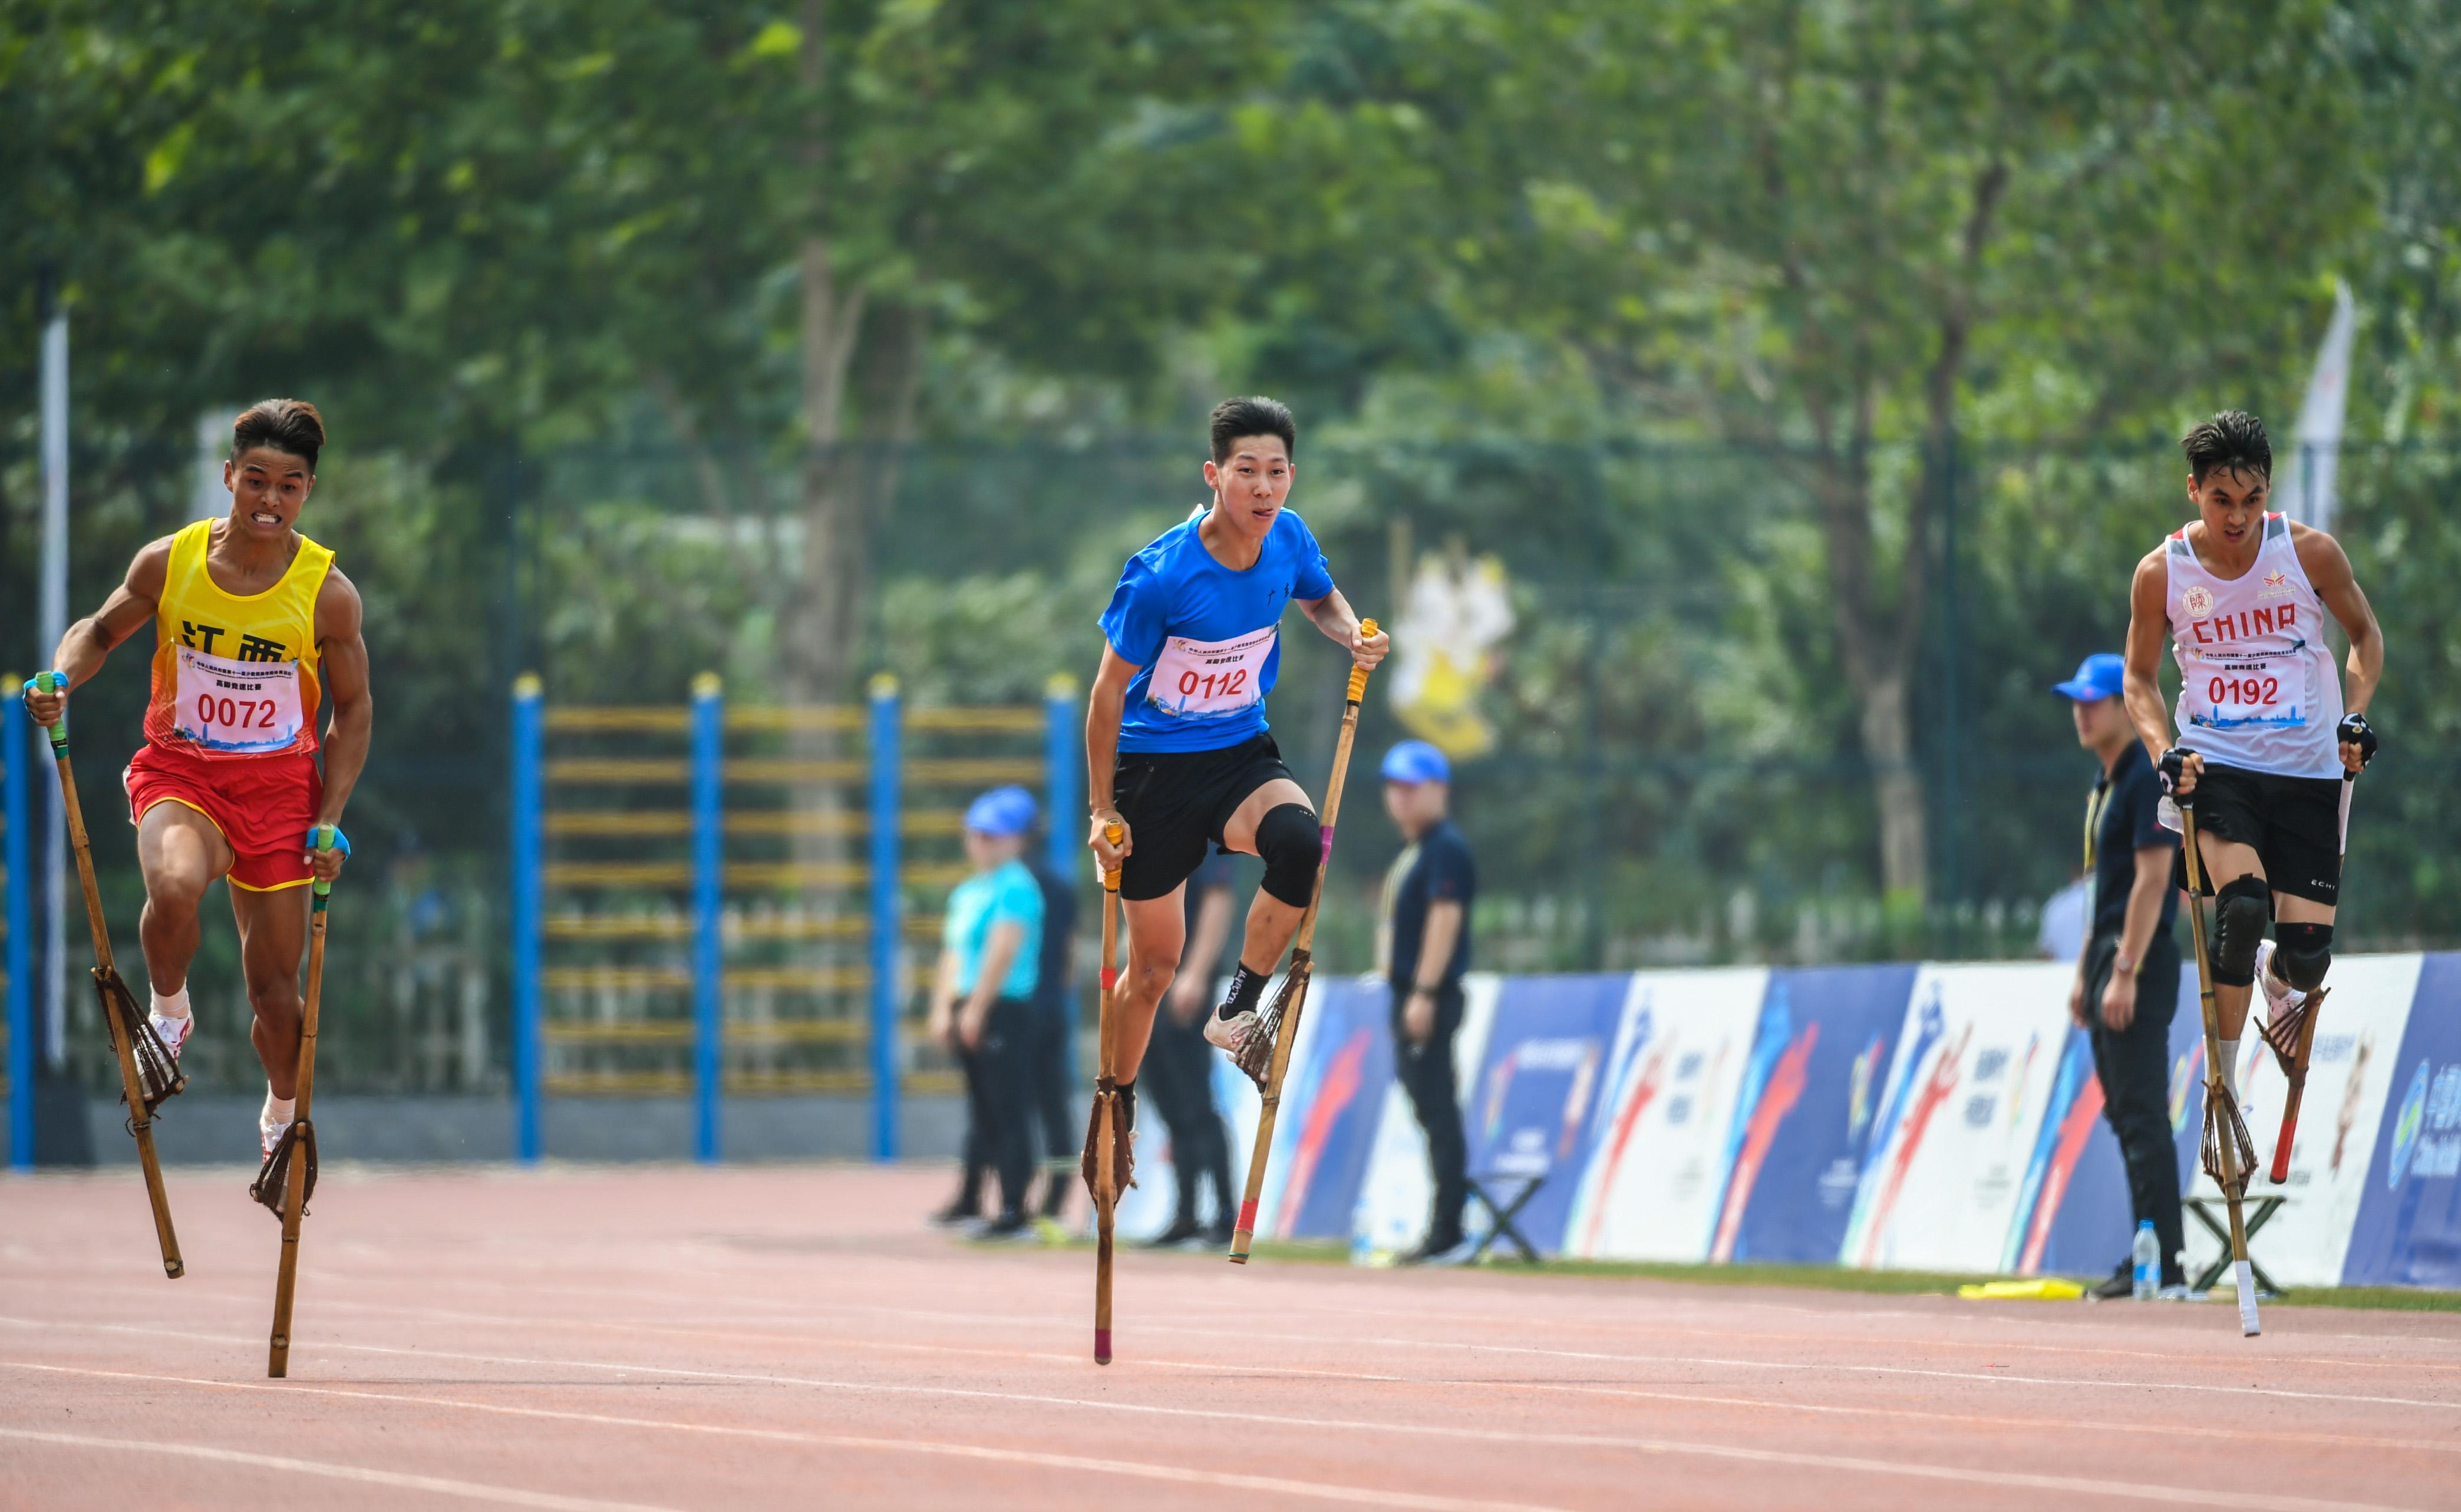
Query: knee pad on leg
[2241, 910]
[1291, 846]
[2302, 953]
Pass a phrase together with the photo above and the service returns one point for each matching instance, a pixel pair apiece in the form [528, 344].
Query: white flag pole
[2305, 487]
[53, 623]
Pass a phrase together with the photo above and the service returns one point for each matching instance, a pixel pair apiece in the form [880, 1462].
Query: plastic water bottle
[1362, 1243]
[2146, 1253]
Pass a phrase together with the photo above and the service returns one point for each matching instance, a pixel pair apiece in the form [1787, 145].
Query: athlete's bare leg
[272, 934]
[180, 853]
[1271, 921]
[1157, 931]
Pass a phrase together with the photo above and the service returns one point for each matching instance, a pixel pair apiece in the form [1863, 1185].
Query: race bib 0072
[244, 708]
[1209, 679]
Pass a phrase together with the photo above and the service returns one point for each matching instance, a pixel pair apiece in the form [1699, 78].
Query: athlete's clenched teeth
[264, 519]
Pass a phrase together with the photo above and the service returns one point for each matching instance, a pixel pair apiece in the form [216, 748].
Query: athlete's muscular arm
[1104, 706]
[129, 609]
[343, 661]
[1332, 615]
[2328, 570]
[2149, 626]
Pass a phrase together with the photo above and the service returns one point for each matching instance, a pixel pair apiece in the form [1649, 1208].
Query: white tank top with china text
[2257, 688]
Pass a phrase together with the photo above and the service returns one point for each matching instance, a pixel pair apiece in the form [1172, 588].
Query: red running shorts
[263, 804]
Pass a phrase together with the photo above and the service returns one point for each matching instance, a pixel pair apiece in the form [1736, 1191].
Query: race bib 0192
[243, 707]
[1211, 679]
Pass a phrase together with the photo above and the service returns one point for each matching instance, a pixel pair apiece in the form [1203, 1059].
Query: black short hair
[1253, 415]
[2234, 440]
[286, 425]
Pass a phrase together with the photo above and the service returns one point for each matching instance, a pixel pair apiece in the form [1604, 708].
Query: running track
[593, 1339]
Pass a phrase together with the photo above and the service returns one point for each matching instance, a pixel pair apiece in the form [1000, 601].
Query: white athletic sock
[2230, 1066]
[278, 1111]
[175, 1005]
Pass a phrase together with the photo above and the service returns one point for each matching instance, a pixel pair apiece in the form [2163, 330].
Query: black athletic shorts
[1176, 802]
[2293, 822]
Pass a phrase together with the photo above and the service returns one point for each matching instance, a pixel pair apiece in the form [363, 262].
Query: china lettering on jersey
[238, 708]
[2257, 685]
[1196, 679]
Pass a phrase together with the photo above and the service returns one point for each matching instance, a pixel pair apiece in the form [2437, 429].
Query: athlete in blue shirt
[1177, 751]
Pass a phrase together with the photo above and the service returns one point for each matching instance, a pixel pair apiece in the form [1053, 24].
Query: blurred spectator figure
[982, 1001]
[1423, 948]
[2061, 934]
[1053, 1091]
[2129, 909]
[1179, 1066]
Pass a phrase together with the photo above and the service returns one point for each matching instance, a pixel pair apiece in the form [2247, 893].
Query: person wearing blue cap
[1424, 946]
[983, 997]
[2127, 984]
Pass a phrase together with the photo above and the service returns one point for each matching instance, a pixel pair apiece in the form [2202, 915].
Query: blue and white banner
[1941, 1117]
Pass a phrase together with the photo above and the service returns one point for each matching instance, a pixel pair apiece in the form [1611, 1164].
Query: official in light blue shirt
[981, 1002]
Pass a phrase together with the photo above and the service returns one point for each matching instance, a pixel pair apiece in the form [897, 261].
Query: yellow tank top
[235, 674]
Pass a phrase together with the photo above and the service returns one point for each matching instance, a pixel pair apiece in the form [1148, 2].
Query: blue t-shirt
[1005, 894]
[1207, 640]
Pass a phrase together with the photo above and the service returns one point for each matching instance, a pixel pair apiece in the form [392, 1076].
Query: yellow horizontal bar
[975, 719]
[679, 926]
[656, 717]
[676, 1031]
[833, 717]
[672, 1083]
[617, 1084]
[671, 979]
[573, 771]
[620, 821]
[779, 772]
[737, 874]
[954, 771]
[586, 824]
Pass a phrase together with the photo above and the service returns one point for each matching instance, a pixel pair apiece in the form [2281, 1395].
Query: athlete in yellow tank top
[255, 632]
[235, 674]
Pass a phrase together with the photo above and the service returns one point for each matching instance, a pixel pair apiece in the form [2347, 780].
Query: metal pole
[709, 1023]
[51, 623]
[886, 918]
[527, 844]
[1060, 761]
[14, 734]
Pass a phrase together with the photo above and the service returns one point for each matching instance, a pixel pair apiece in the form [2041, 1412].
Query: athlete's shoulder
[149, 571]
[1159, 555]
[338, 605]
[2319, 554]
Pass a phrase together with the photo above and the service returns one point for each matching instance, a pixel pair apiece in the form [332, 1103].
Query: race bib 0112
[1211, 679]
[241, 708]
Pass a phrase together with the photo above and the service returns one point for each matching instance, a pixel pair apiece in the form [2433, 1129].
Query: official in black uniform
[2127, 984]
[1179, 1069]
[1425, 949]
[1055, 1012]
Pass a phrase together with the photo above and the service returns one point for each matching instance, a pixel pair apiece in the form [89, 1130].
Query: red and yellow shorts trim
[262, 805]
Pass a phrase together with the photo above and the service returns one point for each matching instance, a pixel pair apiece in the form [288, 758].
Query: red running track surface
[603, 1338]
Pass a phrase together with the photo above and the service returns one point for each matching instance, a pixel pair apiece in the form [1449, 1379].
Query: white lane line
[2175, 1496]
[361, 1474]
[1138, 1469]
[795, 1311]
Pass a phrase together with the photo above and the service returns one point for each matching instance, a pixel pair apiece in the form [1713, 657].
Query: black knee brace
[1291, 846]
[2302, 953]
[2241, 910]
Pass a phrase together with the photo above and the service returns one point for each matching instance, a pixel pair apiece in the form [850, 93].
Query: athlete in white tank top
[2242, 595]
[2257, 688]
